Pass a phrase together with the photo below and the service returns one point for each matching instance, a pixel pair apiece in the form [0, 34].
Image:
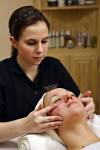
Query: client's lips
[70, 103]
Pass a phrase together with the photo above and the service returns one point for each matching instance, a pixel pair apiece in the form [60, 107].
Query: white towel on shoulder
[39, 142]
[94, 124]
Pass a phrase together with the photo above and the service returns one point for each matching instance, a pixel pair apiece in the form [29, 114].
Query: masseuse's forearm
[11, 129]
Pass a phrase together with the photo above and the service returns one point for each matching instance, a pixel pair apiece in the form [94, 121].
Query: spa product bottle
[81, 2]
[62, 38]
[52, 3]
[61, 3]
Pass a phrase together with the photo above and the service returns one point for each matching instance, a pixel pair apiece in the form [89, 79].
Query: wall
[6, 8]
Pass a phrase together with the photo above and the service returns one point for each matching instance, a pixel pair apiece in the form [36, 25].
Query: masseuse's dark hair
[21, 18]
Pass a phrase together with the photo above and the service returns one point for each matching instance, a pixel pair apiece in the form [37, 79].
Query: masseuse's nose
[39, 48]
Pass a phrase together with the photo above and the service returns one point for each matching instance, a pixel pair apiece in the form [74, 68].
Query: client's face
[68, 106]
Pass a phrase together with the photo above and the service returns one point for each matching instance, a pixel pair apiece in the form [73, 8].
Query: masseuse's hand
[38, 122]
[88, 102]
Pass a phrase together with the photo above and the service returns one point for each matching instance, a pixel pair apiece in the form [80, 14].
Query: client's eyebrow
[55, 98]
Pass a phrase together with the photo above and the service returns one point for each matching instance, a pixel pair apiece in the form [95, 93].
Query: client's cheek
[54, 112]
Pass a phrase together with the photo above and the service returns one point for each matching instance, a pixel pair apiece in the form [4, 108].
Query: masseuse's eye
[44, 41]
[31, 42]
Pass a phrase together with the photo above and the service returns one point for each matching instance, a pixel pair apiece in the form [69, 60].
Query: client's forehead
[55, 94]
[58, 91]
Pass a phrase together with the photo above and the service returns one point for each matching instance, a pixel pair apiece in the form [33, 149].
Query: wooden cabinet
[82, 63]
[84, 71]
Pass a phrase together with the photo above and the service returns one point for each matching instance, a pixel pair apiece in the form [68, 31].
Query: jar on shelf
[71, 2]
[52, 3]
[81, 2]
[90, 2]
[61, 3]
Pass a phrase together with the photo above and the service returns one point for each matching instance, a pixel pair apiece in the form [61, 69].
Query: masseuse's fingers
[88, 102]
[48, 119]
[45, 110]
[89, 105]
[50, 125]
[37, 122]
[41, 115]
[87, 94]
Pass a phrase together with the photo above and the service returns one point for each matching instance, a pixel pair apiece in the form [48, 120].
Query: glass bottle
[52, 3]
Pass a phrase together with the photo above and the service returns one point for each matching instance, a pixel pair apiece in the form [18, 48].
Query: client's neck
[77, 137]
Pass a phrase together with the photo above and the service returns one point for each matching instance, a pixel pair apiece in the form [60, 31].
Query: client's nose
[68, 97]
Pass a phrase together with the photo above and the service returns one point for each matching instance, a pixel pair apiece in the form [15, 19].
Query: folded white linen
[39, 142]
[40, 102]
[94, 124]
[95, 146]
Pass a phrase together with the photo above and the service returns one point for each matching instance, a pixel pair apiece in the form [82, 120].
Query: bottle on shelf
[50, 39]
[94, 41]
[53, 39]
[52, 3]
[88, 43]
[62, 39]
[90, 2]
[57, 39]
[71, 2]
[81, 2]
[61, 3]
[67, 36]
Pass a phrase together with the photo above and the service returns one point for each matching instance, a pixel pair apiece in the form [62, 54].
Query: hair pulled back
[21, 18]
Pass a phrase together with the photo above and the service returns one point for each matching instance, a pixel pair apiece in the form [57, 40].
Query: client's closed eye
[57, 100]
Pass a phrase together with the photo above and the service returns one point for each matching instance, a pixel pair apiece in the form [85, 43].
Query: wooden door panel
[84, 71]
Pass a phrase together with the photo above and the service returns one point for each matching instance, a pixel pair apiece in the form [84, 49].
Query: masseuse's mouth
[38, 58]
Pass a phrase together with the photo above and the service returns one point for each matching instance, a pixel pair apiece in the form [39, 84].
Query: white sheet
[95, 146]
[95, 124]
[50, 142]
[39, 142]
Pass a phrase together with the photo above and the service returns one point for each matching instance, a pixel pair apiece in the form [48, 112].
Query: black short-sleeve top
[19, 95]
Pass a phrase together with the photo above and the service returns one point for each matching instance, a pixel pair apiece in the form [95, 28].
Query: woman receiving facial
[74, 131]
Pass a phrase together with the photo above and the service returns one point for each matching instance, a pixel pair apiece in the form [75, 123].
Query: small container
[68, 2]
[52, 3]
[90, 2]
[61, 3]
[57, 39]
[81, 2]
[67, 36]
[70, 44]
[75, 2]
[94, 41]
[62, 38]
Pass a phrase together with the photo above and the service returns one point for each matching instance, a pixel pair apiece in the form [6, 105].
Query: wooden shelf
[71, 8]
[73, 49]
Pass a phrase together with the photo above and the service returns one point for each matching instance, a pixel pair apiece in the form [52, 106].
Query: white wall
[6, 8]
